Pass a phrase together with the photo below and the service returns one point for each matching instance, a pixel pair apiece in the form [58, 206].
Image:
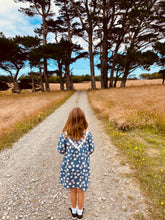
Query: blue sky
[14, 23]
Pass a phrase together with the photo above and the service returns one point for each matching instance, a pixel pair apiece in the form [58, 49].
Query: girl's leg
[81, 197]
[73, 197]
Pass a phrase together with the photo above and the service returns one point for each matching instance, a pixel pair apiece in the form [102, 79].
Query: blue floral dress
[75, 168]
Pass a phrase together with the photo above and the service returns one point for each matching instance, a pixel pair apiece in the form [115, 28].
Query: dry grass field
[134, 117]
[87, 85]
[131, 106]
[15, 108]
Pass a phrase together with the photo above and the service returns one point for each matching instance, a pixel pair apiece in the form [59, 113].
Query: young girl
[76, 143]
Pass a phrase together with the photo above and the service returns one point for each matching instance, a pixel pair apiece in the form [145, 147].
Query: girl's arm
[91, 143]
[61, 146]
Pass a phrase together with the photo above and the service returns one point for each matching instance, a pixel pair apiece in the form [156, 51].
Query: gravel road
[29, 187]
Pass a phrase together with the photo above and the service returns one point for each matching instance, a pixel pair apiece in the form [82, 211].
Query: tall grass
[20, 113]
[135, 120]
[87, 85]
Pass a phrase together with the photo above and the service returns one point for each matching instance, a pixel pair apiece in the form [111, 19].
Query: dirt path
[29, 187]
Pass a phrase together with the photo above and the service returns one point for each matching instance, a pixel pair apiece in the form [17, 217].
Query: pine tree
[42, 8]
[86, 12]
[12, 59]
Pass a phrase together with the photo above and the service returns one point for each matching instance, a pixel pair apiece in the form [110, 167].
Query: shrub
[5, 79]
[28, 79]
[3, 86]
[54, 79]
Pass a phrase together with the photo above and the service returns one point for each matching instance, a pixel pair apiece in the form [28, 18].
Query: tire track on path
[29, 187]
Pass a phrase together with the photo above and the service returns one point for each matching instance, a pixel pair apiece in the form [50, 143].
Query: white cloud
[12, 22]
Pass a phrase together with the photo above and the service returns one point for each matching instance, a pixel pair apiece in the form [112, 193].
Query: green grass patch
[145, 150]
[11, 136]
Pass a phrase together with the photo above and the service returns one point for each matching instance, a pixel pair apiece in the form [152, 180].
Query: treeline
[56, 79]
[25, 81]
[156, 75]
[117, 33]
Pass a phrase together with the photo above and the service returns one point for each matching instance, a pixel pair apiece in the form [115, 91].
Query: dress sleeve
[91, 143]
[61, 146]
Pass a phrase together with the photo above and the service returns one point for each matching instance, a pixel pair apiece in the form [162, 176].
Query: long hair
[76, 124]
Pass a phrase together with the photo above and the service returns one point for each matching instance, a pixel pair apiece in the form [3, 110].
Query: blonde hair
[76, 124]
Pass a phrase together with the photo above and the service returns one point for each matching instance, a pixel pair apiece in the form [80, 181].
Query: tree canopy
[122, 35]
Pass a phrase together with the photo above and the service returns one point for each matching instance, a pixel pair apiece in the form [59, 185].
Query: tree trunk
[33, 84]
[126, 73]
[60, 74]
[71, 82]
[45, 60]
[90, 39]
[67, 75]
[61, 83]
[115, 83]
[104, 65]
[46, 80]
[117, 77]
[123, 82]
[113, 65]
[16, 87]
[112, 73]
[163, 79]
[41, 80]
[92, 70]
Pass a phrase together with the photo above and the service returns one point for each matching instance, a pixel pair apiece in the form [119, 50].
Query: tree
[102, 32]
[160, 48]
[36, 56]
[162, 72]
[61, 52]
[141, 32]
[86, 12]
[124, 25]
[12, 59]
[119, 67]
[118, 31]
[160, 13]
[134, 59]
[42, 8]
[145, 76]
[65, 26]
[131, 26]
[111, 30]
[54, 26]
[29, 43]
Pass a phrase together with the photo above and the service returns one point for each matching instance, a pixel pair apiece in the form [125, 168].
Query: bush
[75, 78]
[28, 79]
[3, 86]
[54, 79]
[151, 76]
[98, 78]
[25, 85]
[25, 82]
[25, 79]
[5, 79]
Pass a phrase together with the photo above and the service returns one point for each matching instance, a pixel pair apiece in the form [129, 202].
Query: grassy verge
[144, 146]
[11, 135]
